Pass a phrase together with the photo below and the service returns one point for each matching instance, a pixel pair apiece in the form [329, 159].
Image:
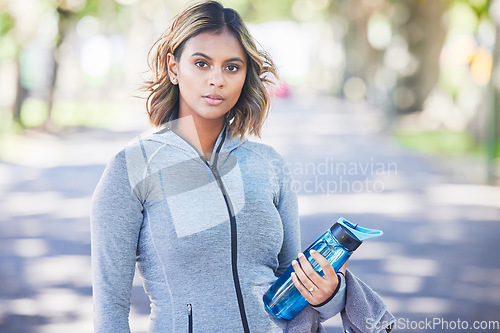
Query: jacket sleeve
[335, 304]
[116, 219]
[288, 210]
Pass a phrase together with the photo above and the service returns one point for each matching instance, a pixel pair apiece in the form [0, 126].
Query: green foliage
[6, 121]
[91, 8]
[34, 112]
[262, 10]
[479, 6]
[6, 23]
[108, 10]
[9, 47]
[67, 113]
[439, 142]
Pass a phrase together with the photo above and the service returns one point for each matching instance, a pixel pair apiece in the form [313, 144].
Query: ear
[172, 67]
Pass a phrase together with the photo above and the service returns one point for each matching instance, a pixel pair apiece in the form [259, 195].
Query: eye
[201, 64]
[232, 68]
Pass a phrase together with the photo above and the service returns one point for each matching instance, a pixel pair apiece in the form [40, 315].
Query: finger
[301, 275]
[325, 265]
[313, 295]
[300, 287]
[315, 292]
[309, 271]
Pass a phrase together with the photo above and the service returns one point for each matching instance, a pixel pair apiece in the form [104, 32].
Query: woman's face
[211, 72]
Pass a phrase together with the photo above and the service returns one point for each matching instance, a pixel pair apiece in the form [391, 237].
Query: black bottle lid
[345, 237]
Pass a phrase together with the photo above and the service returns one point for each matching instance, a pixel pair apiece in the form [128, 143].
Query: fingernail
[294, 262]
[313, 251]
[300, 254]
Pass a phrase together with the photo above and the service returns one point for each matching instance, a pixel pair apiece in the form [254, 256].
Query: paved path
[436, 261]
[438, 258]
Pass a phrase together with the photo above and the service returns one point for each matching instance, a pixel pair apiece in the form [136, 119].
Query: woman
[209, 217]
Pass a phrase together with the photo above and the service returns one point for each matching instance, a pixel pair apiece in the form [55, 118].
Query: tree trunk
[62, 24]
[425, 35]
[21, 94]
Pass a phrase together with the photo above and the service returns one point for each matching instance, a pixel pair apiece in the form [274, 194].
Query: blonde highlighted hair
[251, 109]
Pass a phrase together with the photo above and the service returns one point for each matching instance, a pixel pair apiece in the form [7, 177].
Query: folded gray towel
[365, 311]
[305, 321]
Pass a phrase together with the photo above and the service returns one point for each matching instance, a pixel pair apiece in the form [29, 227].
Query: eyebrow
[199, 54]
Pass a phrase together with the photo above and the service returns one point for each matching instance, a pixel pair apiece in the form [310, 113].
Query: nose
[216, 78]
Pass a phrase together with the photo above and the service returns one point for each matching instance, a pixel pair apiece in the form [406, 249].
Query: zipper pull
[190, 318]
[216, 174]
[214, 170]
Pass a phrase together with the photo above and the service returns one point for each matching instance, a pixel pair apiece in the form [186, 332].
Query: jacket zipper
[234, 250]
[234, 237]
[190, 318]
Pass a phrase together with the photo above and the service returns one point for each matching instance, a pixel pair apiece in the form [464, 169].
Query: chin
[213, 115]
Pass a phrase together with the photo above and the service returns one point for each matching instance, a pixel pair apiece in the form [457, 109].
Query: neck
[201, 135]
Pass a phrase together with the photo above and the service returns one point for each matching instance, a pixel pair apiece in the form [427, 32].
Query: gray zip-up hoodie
[208, 237]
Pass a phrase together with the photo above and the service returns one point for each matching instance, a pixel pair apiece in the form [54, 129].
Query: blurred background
[387, 111]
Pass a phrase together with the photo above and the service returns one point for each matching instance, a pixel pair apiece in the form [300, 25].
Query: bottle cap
[358, 231]
[345, 237]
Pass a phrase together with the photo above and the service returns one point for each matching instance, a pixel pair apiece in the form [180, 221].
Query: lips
[213, 99]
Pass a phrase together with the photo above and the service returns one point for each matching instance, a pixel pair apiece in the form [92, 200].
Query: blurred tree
[262, 10]
[13, 27]
[362, 60]
[395, 42]
[398, 42]
[11, 41]
[493, 118]
[70, 12]
[424, 32]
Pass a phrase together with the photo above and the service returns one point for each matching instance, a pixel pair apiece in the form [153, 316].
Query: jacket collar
[224, 144]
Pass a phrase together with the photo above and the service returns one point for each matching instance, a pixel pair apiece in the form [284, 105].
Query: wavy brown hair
[251, 109]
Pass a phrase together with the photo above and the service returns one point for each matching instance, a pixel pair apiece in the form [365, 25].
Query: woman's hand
[315, 288]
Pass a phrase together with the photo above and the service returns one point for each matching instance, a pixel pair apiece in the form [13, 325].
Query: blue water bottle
[282, 299]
